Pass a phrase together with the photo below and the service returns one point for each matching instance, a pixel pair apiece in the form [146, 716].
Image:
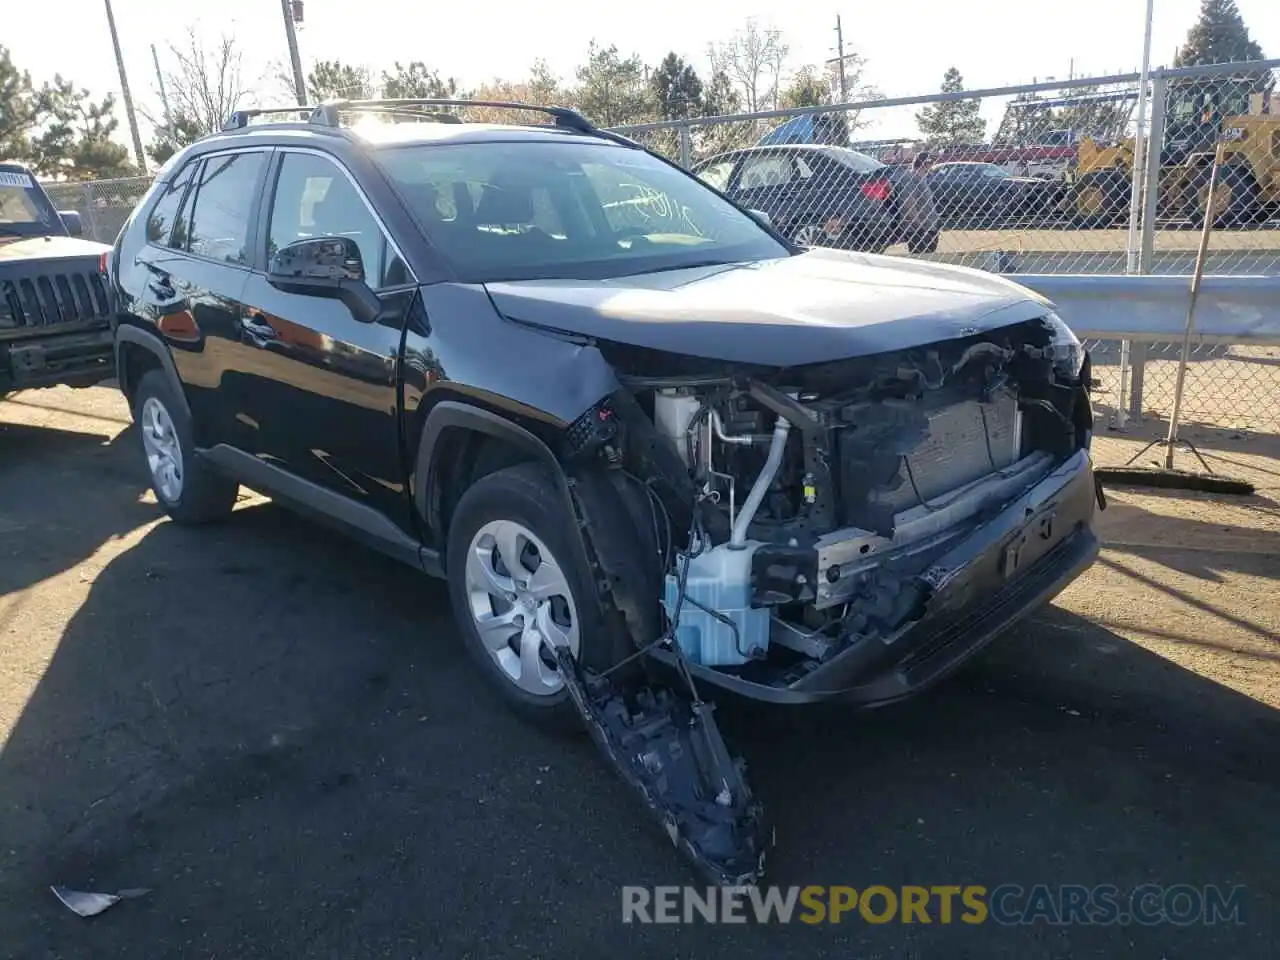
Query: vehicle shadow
[279, 733]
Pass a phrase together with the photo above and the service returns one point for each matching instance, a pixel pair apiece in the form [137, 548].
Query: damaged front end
[852, 529]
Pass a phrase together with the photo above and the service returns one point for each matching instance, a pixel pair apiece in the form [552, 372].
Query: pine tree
[952, 122]
[1218, 36]
[612, 89]
[677, 89]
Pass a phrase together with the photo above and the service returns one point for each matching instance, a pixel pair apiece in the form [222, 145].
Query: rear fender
[137, 338]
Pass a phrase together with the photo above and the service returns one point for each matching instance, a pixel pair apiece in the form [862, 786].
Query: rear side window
[164, 214]
[224, 197]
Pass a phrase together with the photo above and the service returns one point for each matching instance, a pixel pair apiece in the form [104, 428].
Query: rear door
[191, 274]
[320, 385]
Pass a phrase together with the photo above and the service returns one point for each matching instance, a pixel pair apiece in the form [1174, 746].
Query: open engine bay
[823, 493]
[800, 528]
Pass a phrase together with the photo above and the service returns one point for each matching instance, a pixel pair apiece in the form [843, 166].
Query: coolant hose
[738, 538]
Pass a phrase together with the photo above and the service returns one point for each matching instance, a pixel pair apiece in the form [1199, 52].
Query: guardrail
[1230, 310]
[1134, 325]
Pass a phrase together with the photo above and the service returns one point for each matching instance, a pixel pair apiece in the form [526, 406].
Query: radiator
[966, 441]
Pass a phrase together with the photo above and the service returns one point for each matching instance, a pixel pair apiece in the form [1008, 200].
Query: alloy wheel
[521, 602]
[163, 450]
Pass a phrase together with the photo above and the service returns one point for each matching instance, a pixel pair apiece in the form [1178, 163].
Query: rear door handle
[256, 325]
[162, 286]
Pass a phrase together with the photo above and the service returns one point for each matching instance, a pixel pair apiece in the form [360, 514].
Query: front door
[322, 401]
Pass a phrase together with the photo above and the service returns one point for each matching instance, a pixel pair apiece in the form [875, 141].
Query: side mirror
[763, 217]
[71, 220]
[325, 267]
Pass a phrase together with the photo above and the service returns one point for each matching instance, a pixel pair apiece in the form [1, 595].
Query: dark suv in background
[829, 196]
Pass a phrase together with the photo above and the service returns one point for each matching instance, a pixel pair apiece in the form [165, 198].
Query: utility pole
[164, 97]
[844, 93]
[299, 84]
[125, 95]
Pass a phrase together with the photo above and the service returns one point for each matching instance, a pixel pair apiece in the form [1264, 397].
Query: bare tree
[207, 84]
[753, 59]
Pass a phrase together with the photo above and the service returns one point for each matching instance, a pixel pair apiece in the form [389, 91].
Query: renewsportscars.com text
[1007, 904]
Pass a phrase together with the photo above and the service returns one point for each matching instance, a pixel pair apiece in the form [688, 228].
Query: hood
[817, 306]
[48, 248]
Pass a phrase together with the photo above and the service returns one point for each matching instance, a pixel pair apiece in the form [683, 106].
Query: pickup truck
[54, 306]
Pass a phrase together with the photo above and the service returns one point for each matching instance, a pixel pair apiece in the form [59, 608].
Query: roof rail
[326, 114]
[241, 118]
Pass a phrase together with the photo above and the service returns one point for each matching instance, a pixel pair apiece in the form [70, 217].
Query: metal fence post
[686, 145]
[89, 217]
[1150, 206]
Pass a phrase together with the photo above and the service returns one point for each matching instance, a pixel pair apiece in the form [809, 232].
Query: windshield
[24, 210]
[520, 210]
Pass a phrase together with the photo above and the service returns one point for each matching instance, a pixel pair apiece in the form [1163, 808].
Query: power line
[299, 84]
[125, 95]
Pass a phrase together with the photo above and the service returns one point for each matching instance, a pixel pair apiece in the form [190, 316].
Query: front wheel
[517, 585]
[926, 242]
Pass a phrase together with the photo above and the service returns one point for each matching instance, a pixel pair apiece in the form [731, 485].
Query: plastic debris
[88, 904]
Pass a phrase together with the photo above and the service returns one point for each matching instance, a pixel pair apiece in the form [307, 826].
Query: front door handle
[256, 326]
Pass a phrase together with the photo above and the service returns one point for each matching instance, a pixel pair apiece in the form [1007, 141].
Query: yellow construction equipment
[1238, 111]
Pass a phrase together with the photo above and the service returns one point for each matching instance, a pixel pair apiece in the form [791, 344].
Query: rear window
[854, 160]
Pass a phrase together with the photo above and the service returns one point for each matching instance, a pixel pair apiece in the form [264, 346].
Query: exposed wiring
[723, 618]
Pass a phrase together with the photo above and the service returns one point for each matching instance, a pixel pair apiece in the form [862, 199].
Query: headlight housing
[1064, 348]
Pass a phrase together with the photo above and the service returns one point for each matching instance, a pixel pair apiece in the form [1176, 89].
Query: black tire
[205, 495]
[1243, 208]
[926, 242]
[527, 495]
[1101, 199]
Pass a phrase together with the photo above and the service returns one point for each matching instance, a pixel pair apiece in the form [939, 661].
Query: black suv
[652, 444]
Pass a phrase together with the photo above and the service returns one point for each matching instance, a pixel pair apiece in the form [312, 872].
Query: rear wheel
[186, 487]
[517, 584]
[809, 235]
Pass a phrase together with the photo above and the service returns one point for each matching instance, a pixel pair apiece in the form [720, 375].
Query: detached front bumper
[1004, 569]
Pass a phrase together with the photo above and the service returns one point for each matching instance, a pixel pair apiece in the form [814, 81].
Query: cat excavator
[1240, 111]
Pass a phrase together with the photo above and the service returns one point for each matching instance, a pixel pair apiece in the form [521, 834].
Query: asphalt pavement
[279, 733]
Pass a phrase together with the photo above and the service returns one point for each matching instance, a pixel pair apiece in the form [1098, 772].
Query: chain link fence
[103, 205]
[1031, 179]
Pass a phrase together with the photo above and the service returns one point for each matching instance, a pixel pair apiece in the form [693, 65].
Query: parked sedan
[972, 194]
[828, 196]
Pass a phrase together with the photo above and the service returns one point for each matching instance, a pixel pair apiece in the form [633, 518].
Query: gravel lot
[279, 733]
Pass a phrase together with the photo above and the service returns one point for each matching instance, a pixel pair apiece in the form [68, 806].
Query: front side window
[314, 198]
[533, 209]
[718, 174]
[219, 222]
[164, 213]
